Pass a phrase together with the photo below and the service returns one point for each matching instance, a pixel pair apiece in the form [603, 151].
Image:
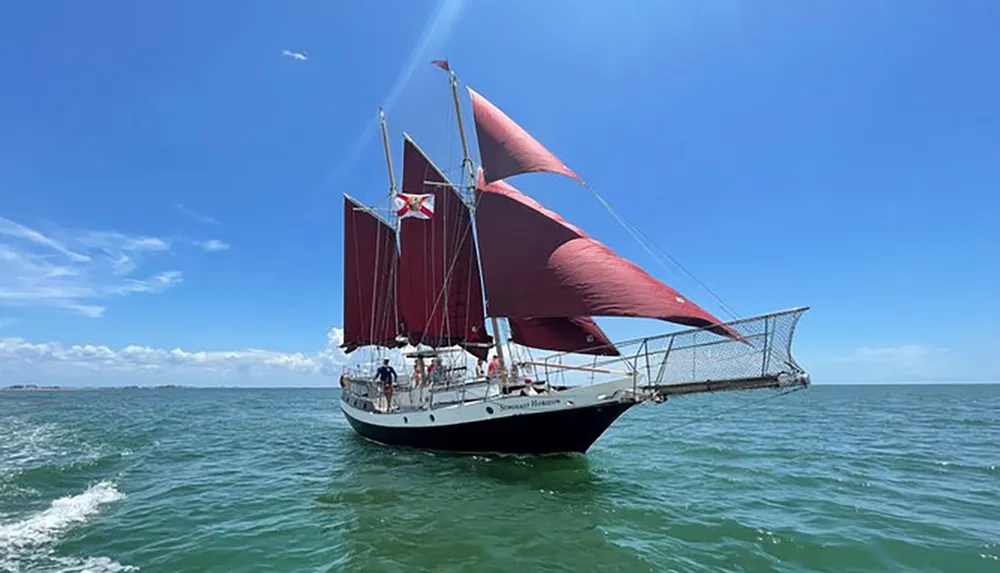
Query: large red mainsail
[537, 264]
[505, 148]
[580, 334]
[440, 294]
[371, 316]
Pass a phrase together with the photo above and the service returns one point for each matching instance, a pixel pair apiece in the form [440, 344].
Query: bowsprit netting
[696, 360]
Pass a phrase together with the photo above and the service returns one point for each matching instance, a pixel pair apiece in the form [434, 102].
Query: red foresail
[505, 148]
[580, 334]
[536, 264]
[440, 293]
[371, 316]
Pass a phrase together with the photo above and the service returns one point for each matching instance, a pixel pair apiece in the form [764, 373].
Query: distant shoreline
[37, 388]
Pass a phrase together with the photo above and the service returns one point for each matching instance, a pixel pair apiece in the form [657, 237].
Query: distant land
[39, 388]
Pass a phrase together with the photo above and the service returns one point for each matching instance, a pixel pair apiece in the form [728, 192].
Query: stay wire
[644, 241]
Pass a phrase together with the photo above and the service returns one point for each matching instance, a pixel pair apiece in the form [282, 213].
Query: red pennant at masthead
[443, 64]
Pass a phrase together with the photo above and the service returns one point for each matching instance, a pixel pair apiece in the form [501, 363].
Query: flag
[443, 64]
[410, 205]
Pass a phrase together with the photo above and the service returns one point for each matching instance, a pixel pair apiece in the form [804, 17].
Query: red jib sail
[440, 294]
[537, 264]
[370, 262]
[505, 148]
[579, 334]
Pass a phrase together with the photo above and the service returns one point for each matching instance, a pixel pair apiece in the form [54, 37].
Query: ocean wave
[29, 542]
[85, 565]
[39, 446]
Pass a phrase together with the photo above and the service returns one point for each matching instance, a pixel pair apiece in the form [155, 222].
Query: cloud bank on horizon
[51, 363]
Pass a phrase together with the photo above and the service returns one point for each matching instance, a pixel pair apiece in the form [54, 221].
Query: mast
[469, 172]
[394, 220]
[388, 156]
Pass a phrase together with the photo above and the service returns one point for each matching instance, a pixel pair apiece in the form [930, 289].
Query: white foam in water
[45, 526]
[27, 541]
[92, 565]
[27, 446]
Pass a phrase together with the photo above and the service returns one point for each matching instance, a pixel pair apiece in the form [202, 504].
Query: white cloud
[79, 270]
[196, 216]
[214, 245]
[904, 356]
[294, 55]
[52, 363]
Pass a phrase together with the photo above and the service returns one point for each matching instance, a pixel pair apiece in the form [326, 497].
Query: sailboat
[422, 281]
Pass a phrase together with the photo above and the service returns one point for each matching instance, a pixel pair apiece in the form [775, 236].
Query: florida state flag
[410, 205]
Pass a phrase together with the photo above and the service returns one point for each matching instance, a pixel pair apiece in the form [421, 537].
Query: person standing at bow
[387, 375]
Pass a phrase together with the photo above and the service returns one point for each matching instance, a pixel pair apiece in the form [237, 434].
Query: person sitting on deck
[528, 389]
[387, 375]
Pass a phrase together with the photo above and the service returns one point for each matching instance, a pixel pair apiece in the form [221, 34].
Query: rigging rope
[644, 241]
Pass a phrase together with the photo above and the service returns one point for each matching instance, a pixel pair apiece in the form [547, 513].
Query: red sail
[370, 262]
[505, 148]
[580, 334]
[536, 264]
[440, 293]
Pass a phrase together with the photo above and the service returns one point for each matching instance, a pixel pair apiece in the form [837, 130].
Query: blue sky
[170, 182]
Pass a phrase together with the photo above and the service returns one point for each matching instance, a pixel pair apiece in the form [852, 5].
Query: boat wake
[29, 544]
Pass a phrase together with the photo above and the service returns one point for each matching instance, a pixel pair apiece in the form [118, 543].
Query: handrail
[567, 367]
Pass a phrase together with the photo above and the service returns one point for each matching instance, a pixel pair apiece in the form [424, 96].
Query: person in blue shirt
[387, 375]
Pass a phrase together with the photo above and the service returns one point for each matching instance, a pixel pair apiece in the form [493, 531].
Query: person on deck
[418, 372]
[493, 371]
[528, 389]
[387, 375]
[437, 370]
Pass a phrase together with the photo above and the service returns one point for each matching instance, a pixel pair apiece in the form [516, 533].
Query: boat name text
[536, 403]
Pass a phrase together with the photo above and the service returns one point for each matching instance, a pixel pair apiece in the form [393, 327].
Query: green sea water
[836, 478]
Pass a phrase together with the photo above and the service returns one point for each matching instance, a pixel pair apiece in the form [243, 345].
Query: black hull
[554, 432]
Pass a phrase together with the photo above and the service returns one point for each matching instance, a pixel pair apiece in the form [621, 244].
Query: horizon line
[55, 387]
